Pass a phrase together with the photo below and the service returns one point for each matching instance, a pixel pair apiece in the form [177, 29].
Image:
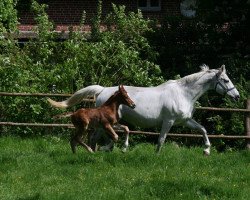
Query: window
[149, 5]
[188, 8]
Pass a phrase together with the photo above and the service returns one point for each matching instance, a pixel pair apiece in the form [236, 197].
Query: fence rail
[188, 135]
[246, 111]
[224, 109]
[41, 95]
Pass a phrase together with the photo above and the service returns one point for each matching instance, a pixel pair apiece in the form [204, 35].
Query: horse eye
[226, 81]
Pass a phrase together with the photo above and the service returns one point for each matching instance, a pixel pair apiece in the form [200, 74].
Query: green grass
[45, 168]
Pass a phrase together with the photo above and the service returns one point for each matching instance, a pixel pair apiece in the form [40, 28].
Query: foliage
[8, 15]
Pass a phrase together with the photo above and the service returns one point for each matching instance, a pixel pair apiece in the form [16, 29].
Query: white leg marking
[195, 125]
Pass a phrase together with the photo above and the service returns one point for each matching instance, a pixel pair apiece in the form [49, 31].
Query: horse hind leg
[107, 147]
[95, 137]
[166, 126]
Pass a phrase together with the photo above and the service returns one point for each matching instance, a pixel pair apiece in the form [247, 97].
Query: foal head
[123, 98]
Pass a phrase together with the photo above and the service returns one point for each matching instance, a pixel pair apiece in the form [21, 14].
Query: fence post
[247, 125]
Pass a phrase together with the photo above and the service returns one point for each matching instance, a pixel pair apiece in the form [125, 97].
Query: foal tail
[64, 115]
[77, 97]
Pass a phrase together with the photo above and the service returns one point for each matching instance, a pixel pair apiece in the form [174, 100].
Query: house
[66, 13]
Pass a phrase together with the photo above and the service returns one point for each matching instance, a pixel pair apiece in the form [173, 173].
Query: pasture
[45, 168]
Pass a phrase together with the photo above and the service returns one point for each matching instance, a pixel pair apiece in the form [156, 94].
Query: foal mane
[110, 99]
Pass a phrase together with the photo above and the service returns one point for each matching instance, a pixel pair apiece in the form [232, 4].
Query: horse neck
[199, 84]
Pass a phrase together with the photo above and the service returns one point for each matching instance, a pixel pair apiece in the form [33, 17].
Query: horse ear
[204, 67]
[222, 69]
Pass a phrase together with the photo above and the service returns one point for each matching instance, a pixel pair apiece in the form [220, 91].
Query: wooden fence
[245, 111]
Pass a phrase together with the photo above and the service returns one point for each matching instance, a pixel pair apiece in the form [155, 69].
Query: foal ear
[121, 88]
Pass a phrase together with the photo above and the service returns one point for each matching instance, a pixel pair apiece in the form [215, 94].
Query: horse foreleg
[166, 126]
[195, 125]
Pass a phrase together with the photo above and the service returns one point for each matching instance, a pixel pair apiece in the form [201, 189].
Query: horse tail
[78, 96]
[64, 115]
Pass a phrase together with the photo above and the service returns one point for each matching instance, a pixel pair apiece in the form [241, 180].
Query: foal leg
[126, 131]
[73, 143]
[77, 139]
[81, 136]
[85, 145]
[111, 131]
[195, 125]
[74, 139]
[166, 126]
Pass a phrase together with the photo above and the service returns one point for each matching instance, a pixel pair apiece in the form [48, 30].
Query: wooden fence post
[247, 125]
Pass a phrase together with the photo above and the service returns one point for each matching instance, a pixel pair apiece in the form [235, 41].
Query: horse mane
[196, 76]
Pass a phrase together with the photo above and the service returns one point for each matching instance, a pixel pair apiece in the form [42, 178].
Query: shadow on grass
[33, 197]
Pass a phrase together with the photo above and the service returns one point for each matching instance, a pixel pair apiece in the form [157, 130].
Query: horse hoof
[124, 150]
[206, 153]
[105, 148]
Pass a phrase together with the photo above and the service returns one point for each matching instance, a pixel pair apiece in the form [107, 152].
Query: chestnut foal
[104, 116]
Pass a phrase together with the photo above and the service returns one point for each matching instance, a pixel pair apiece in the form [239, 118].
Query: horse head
[223, 85]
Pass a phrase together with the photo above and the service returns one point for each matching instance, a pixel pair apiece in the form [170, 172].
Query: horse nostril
[237, 97]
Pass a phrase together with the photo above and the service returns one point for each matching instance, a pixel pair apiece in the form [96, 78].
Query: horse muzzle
[132, 106]
[236, 97]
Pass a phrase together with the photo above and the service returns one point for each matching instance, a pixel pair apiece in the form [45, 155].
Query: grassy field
[45, 168]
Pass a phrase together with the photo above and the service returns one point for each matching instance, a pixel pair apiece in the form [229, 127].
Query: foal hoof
[115, 138]
[90, 150]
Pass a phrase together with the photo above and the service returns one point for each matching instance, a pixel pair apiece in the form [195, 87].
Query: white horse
[168, 104]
